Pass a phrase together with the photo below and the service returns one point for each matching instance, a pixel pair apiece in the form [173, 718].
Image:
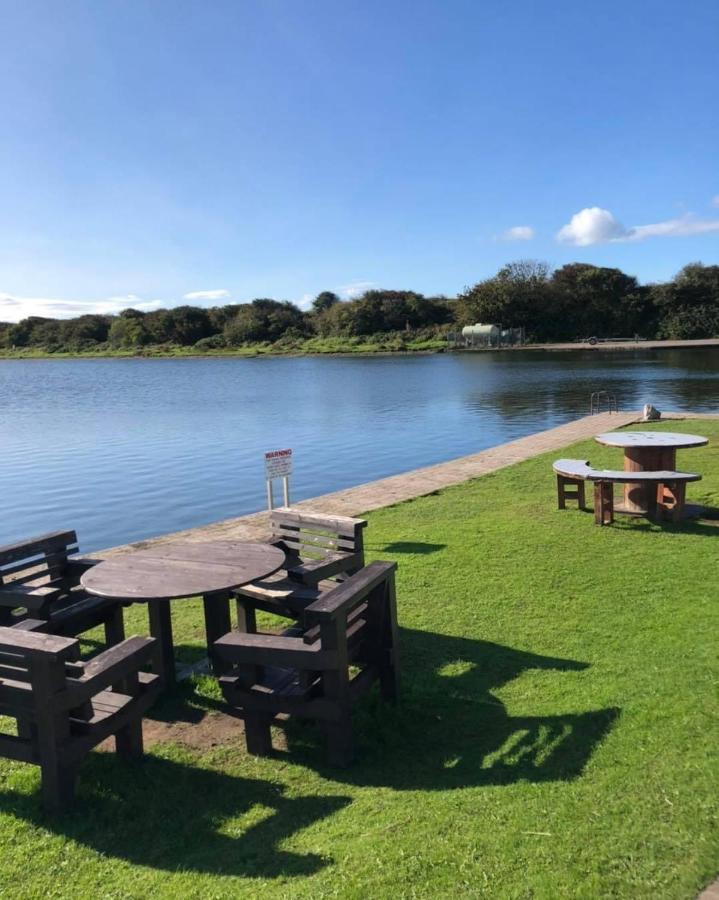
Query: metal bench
[64, 707]
[572, 473]
[306, 670]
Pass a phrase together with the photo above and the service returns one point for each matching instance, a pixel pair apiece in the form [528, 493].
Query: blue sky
[154, 149]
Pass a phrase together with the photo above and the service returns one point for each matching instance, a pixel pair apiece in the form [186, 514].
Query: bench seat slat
[578, 468]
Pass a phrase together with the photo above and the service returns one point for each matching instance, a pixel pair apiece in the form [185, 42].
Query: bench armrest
[342, 599]
[78, 565]
[110, 667]
[272, 650]
[32, 598]
[31, 625]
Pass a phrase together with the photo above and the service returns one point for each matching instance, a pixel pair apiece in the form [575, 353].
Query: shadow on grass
[703, 522]
[416, 547]
[451, 731]
[172, 816]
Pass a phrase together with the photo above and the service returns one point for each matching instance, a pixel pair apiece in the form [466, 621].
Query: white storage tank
[480, 333]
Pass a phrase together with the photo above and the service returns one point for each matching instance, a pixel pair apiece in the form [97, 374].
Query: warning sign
[278, 463]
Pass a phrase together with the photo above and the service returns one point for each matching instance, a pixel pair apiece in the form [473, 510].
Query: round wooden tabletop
[658, 439]
[181, 569]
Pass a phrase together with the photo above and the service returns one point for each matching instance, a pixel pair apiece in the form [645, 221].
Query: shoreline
[371, 495]
[626, 345]
[251, 353]
[406, 486]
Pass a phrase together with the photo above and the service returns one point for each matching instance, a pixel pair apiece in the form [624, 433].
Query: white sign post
[278, 464]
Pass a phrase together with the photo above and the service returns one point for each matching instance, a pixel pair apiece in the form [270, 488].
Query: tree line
[572, 302]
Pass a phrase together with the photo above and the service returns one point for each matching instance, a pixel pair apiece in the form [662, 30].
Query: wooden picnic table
[174, 571]
[647, 451]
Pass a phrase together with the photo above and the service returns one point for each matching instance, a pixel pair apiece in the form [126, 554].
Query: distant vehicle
[609, 340]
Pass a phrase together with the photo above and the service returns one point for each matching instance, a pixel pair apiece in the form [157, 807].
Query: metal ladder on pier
[601, 399]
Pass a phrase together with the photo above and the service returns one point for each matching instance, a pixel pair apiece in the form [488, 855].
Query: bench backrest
[358, 616]
[314, 536]
[37, 561]
[33, 669]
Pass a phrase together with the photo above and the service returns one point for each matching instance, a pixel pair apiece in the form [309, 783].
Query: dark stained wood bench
[64, 707]
[306, 670]
[321, 550]
[572, 473]
[40, 578]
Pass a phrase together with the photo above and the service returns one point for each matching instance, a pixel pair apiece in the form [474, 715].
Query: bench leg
[603, 503]
[389, 646]
[51, 735]
[58, 786]
[25, 729]
[217, 624]
[258, 734]
[576, 492]
[247, 624]
[561, 498]
[680, 493]
[128, 741]
[246, 617]
[670, 500]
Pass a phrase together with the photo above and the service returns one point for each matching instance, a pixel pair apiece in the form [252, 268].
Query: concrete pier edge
[364, 498]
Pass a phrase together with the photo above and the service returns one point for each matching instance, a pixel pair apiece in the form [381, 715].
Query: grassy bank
[557, 734]
[311, 346]
[330, 346]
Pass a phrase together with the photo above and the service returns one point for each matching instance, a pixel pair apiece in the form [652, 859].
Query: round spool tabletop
[651, 439]
[180, 569]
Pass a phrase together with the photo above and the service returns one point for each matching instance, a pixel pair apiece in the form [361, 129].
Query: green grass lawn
[557, 735]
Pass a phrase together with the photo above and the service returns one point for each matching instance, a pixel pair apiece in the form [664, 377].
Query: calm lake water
[126, 449]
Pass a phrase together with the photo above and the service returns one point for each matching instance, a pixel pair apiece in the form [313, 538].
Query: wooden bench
[40, 578]
[572, 473]
[65, 707]
[306, 670]
[321, 551]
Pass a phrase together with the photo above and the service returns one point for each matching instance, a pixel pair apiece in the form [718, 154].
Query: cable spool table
[647, 451]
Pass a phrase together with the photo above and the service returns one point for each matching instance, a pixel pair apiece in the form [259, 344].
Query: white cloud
[305, 301]
[518, 233]
[594, 225]
[221, 294]
[673, 227]
[14, 308]
[355, 289]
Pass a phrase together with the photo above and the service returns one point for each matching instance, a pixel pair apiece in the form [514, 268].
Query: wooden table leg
[217, 623]
[161, 629]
